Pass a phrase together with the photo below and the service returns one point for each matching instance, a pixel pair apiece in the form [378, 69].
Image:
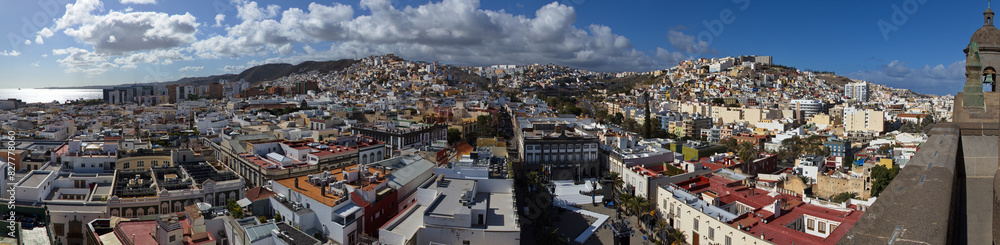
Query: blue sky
[915, 44]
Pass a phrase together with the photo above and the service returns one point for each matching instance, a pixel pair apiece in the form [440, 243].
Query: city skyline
[96, 42]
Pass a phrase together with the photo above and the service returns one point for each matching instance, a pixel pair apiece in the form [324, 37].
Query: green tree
[234, 209]
[730, 143]
[747, 152]
[454, 136]
[277, 217]
[485, 125]
[718, 101]
[263, 219]
[843, 197]
[618, 118]
[677, 236]
[881, 177]
[550, 236]
[303, 104]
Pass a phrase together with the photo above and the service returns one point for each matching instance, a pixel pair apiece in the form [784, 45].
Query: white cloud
[27, 42]
[671, 58]
[218, 19]
[252, 63]
[138, 1]
[191, 68]
[9, 53]
[686, 43]
[44, 33]
[82, 60]
[452, 31]
[34, 64]
[938, 79]
[159, 56]
[133, 31]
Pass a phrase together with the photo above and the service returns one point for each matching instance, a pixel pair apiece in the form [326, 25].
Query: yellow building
[143, 159]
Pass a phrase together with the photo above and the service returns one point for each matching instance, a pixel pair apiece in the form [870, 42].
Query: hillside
[257, 74]
[254, 75]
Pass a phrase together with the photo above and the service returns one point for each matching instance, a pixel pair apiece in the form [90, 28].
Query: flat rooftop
[450, 193]
[411, 222]
[500, 214]
[35, 178]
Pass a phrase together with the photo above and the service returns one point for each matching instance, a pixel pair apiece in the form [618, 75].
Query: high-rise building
[808, 107]
[215, 91]
[857, 91]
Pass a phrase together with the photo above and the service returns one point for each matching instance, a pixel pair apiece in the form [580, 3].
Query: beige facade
[144, 162]
[698, 227]
[864, 121]
[828, 187]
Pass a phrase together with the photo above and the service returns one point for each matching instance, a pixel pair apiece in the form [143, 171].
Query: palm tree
[641, 205]
[747, 152]
[616, 179]
[551, 236]
[625, 202]
[661, 226]
[678, 236]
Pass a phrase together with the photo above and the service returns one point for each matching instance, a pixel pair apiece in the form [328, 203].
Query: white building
[857, 91]
[457, 211]
[808, 107]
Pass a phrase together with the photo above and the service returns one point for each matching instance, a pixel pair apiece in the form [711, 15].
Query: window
[833, 227]
[466, 242]
[125, 165]
[711, 233]
[811, 225]
[58, 228]
[822, 227]
[140, 164]
[729, 240]
[695, 224]
[172, 238]
[153, 163]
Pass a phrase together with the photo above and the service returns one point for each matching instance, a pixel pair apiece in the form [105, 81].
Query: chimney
[296, 182]
[323, 190]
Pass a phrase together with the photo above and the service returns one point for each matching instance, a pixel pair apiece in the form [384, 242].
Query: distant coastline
[83, 87]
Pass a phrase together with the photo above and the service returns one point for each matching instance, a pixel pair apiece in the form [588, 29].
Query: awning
[243, 202]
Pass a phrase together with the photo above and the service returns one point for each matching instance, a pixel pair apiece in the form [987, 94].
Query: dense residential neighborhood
[734, 150]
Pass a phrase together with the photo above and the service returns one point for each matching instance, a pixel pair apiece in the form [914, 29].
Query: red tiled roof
[258, 193]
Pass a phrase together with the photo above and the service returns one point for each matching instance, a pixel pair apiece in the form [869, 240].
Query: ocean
[30, 95]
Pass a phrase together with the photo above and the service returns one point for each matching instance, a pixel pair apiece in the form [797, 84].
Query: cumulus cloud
[165, 57]
[939, 79]
[218, 20]
[452, 30]
[138, 1]
[132, 37]
[9, 53]
[252, 63]
[687, 43]
[191, 68]
[133, 31]
[82, 60]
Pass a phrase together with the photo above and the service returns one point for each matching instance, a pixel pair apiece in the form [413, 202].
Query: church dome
[987, 36]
